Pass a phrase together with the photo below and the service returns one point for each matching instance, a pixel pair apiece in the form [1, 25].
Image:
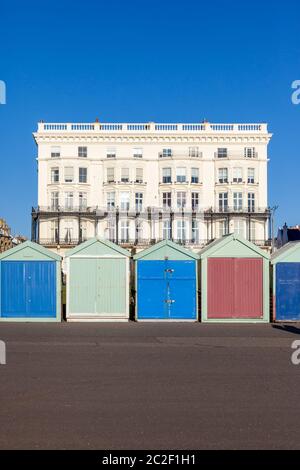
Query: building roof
[226, 239]
[289, 247]
[33, 246]
[162, 244]
[92, 241]
[293, 234]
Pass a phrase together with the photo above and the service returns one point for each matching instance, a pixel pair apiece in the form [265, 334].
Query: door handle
[169, 301]
[169, 270]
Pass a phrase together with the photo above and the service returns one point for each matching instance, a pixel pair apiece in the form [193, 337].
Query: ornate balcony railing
[235, 155]
[141, 242]
[175, 155]
[98, 210]
[237, 210]
[121, 241]
[64, 242]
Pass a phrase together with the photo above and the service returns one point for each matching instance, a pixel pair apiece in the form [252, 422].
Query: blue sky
[163, 61]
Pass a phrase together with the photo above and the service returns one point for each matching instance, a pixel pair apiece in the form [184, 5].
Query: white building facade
[136, 184]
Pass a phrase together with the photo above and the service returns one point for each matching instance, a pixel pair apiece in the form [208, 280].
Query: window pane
[194, 151]
[166, 230]
[237, 201]
[110, 175]
[110, 198]
[54, 175]
[125, 175]
[195, 201]
[195, 175]
[251, 175]
[55, 152]
[167, 200]
[82, 175]
[111, 229]
[181, 230]
[223, 228]
[68, 232]
[139, 202]
[166, 172]
[239, 227]
[54, 200]
[181, 175]
[237, 175]
[181, 200]
[139, 230]
[167, 152]
[222, 152]
[195, 231]
[251, 202]
[139, 175]
[69, 174]
[223, 202]
[137, 152]
[223, 175]
[69, 200]
[252, 235]
[111, 153]
[124, 201]
[82, 200]
[83, 230]
[82, 152]
[249, 152]
[124, 231]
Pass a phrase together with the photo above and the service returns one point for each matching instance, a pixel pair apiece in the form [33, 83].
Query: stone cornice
[109, 139]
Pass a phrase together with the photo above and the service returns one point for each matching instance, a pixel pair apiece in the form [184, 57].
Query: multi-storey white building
[139, 183]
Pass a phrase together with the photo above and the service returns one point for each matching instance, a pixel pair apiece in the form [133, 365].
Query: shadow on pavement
[287, 328]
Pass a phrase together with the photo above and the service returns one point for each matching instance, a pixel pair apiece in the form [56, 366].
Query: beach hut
[30, 284]
[286, 282]
[166, 283]
[97, 282]
[234, 281]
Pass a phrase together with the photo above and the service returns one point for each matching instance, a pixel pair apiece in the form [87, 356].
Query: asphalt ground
[149, 386]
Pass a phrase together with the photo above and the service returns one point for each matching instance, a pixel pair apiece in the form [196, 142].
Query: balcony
[62, 242]
[167, 181]
[63, 209]
[141, 242]
[109, 182]
[124, 183]
[179, 156]
[181, 183]
[103, 210]
[148, 242]
[234, 156]
[238, 210]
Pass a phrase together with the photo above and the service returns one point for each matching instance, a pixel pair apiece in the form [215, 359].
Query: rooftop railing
[151, 127]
